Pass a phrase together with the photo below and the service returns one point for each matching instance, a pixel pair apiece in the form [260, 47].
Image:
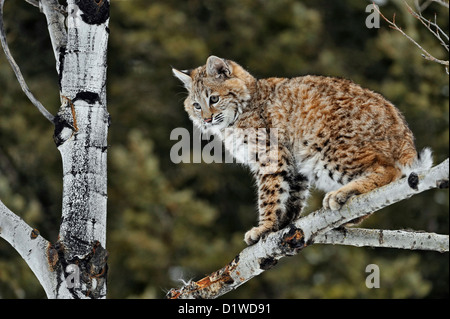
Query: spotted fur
[297, 132]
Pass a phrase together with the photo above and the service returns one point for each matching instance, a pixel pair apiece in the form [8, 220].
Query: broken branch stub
[240, 270]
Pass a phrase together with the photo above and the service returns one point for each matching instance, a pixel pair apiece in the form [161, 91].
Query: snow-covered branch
[318, 227]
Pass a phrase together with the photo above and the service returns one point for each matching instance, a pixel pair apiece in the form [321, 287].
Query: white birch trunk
[75, 265]
[81, 128]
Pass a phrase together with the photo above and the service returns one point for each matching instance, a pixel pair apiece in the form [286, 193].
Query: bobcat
[329, 132]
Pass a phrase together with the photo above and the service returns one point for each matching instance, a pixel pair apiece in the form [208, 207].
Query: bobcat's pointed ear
[184, 76]
[217, 67]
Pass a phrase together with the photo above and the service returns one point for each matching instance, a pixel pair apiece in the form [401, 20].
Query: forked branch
[432, 26]
[319, 227]
[442, 2]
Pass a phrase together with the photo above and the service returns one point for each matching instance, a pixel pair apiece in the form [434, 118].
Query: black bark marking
[94, 11]
[381, 237]
[62, 56]
[89, 97]
[267, 263]
[92, 267]
[443, 183]
[60, 124]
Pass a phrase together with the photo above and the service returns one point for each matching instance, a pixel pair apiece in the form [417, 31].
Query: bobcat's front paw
[335, 200]
[253, 235]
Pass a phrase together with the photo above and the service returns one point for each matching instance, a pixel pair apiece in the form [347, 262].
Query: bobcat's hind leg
[378, 177]
[298, 195]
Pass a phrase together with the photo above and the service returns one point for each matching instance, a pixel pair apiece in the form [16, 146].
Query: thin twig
[425, 54]
[442, 3]
[428, 24]
[17, 71]
[33, 2]
[422, 7]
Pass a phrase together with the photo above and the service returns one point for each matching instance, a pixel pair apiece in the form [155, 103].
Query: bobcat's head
[218, 92]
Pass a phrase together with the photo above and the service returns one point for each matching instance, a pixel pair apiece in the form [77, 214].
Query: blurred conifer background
[180, 221]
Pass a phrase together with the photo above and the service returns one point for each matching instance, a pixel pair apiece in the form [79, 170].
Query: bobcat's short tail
[422, 162]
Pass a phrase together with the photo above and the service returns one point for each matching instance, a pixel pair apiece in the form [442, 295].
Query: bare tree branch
[428, 24]
[33, 248]
[262, 256]
[33, 2]
[58, 34]
[441, 2]
[438, 32]
[401, 239]
[17, 71]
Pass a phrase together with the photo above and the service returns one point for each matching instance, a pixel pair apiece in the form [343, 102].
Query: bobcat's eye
[197, 106]
[213, 99]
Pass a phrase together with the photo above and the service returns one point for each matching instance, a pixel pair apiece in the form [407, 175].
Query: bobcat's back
[337, 129]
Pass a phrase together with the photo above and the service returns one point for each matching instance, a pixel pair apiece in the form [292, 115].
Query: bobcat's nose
[208, 119]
